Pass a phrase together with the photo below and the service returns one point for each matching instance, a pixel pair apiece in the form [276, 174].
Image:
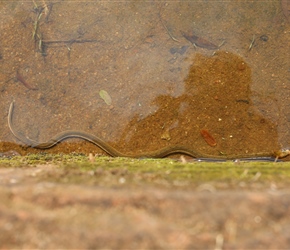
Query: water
[57, 56]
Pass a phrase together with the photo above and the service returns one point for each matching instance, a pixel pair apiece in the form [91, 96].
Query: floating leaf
[106, 97]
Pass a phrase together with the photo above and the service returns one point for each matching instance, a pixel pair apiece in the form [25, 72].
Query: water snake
[161, 153]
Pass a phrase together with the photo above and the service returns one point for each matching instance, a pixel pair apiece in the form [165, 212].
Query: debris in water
[106, 97]
[208, 137]
[20, 78]
[166, 135]
[198, 41]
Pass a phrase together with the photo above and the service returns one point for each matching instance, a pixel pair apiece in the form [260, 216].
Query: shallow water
[160, 89]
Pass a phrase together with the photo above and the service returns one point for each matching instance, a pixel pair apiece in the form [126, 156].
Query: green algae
[78, 168]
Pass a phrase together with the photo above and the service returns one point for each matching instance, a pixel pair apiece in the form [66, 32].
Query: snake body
[161, 153]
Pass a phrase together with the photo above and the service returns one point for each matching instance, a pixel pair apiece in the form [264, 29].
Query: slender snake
[161, 153]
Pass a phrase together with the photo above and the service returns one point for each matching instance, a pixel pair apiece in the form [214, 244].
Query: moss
[76, 168]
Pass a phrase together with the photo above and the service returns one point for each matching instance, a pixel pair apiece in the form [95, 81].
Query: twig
[252, 43]
[168, 32]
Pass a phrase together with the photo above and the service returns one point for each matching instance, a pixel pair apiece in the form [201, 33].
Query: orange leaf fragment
[208, 137]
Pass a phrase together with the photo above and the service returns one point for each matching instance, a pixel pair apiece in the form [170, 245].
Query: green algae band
[106, 97]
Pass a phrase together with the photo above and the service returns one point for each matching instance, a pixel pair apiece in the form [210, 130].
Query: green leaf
[106, 97]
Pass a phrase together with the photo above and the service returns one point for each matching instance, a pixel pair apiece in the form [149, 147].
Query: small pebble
[264, 38]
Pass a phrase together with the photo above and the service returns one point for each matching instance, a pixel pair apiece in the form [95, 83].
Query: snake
[161, 153]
